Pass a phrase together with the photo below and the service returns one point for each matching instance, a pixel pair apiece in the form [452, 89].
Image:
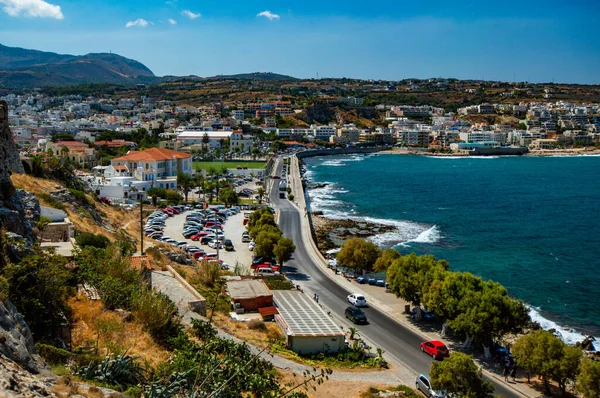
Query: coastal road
[398, 341]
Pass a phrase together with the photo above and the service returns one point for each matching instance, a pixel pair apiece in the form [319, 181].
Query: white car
[213, 243]
[251, 246]
[357, 299]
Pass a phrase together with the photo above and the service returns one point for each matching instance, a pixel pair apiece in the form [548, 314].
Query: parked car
[251, 246]
[361, 280]
[246, 238]
[228, 245]
[356, 315]
[372, 281]
[435, 348]
[425, 315]
[266, 272]
[357, 299]
[424, 385]
[198, 236]
[215, 243]
[380, 283]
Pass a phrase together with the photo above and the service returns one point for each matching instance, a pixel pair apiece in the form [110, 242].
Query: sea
[530, 223]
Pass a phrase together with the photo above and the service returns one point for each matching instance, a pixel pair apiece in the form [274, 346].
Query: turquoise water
[529, 223]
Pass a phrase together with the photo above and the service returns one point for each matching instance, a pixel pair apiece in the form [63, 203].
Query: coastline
[532, 153]
[571, 335]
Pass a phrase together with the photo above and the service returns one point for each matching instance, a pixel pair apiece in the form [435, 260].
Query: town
[176, 219]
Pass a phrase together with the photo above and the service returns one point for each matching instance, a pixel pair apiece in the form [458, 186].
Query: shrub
[257, 324]
[51, 201]
[53, 355]
[122, 371]
[4, 288]
[79, 195]
[157, 313]
[291, 197]
[88, 239]
[278, 282]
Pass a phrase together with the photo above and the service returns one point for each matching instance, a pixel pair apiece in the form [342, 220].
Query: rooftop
[303, 316]
[152, 154]
[247, 289]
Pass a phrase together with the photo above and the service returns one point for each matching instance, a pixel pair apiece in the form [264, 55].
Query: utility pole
[142, 223]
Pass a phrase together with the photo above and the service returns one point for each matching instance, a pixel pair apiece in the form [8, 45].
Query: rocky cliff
[14, 204]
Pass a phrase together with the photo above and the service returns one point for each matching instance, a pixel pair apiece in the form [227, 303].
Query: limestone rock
[16, 342]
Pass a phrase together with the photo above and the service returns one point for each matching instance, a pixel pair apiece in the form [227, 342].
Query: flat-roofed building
[249, 294]
[307, 326]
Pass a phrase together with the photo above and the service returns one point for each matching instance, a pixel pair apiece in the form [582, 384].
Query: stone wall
[58, 232]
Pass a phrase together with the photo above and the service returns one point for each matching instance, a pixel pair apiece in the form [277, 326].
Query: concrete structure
[249, 295]
[157, 166]
[59, 233]
[215, 138]
[307, 326]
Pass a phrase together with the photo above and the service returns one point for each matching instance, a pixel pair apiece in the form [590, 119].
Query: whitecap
[568, 335]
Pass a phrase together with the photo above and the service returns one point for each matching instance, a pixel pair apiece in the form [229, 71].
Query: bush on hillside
[88, 239]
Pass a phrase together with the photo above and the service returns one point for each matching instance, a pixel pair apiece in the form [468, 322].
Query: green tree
[255, 153]
[385, 259]
[39, 288]
[265, 243]
[545, 355]
[410, 276]
[358, 254]
[210, 190]
[260, 192]
[228, 196]
[488, 314]
[588, 379]
[459, 375]
[205, 139]
[283, 250]
[185, 182]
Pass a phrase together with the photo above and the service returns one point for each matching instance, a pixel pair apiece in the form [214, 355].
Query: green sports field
[231, 165]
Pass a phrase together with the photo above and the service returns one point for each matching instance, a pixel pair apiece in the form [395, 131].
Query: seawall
[499, 151]
[339, 151]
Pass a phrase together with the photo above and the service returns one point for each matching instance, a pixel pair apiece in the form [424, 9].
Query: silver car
[424, 385]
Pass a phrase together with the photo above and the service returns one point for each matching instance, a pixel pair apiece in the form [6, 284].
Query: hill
[255, 76]
[23, 68]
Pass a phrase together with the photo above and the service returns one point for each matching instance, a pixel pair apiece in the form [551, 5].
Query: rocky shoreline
[331, 233]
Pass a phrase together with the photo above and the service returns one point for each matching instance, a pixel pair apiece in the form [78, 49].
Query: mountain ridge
[24, 68]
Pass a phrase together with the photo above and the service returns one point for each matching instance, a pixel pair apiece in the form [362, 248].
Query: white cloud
[172, 21]
[268, 14]
[190, 15]
[140, 23]
[31, 8]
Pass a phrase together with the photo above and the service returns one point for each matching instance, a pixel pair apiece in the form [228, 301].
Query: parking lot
[232, 228]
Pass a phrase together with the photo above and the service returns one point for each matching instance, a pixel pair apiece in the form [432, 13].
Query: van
[266, 272]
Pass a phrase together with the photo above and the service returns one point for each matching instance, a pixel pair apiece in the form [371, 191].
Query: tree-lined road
[398, 341]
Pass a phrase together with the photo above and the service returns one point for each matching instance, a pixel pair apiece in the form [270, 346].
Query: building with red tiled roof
[158, 167]
[75, 151]
[113, 144]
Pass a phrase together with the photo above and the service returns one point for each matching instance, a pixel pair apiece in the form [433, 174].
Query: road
[398, 341]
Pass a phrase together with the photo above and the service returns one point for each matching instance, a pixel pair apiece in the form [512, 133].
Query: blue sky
[527, 40]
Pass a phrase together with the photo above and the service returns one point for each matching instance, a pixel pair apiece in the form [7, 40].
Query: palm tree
[260, 192]
[200, 180]
[210, 187]
[185, 182]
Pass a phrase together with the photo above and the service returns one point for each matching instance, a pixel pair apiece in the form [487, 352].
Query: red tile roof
[265, 311]
[153, 154]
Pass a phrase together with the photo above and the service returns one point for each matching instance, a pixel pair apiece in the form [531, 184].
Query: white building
[215, 138]
[158, 167]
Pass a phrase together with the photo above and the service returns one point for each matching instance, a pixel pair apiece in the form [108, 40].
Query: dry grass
[241, 330]
[331, 388]
[96, 327]
[117, 217]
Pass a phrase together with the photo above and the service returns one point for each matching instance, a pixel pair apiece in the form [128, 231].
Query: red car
[198, 236]
[435, 348]
[199, 255]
